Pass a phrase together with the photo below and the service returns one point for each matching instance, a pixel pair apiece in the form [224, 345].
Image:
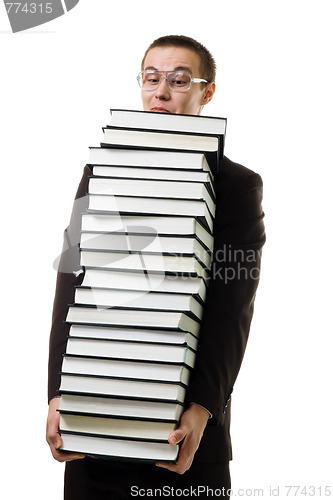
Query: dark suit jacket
[239, 235]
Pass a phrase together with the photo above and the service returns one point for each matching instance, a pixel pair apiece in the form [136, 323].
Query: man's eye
[152, 78]
[179, 80]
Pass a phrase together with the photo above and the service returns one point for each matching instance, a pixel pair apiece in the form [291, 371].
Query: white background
[274, 85]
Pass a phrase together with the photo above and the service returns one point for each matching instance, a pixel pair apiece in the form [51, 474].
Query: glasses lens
[180, 80]
[149, 80]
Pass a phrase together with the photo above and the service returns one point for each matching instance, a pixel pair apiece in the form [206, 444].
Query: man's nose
[162, 91]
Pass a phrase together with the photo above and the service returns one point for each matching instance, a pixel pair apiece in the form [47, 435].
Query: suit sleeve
[239, 235]
[67, 279]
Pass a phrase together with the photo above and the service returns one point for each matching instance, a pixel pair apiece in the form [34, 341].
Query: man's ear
[208, 93]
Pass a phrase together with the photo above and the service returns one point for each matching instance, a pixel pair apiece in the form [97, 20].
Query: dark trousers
[93, 479]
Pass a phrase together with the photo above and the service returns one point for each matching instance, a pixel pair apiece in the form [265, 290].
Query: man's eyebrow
[181, 68]
[178, 68]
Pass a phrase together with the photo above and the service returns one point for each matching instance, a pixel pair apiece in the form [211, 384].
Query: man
[238, 238]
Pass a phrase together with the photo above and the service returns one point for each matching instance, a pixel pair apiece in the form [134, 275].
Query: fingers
[184, 461]
[61, 456]
[190, 430]
[186, 453]
[177, 435]
[53, 438]
[64, 456]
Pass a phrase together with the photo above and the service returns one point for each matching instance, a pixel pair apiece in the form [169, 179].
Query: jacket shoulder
[233, 180]
[232, 174]
[239, 193]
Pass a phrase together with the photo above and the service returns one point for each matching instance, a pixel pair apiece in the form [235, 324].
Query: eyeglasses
[180, 81]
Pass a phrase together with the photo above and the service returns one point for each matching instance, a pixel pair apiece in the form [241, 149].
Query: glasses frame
[165, 74]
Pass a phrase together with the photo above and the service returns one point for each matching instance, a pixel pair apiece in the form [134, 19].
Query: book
[139, 300]
[168, 121]
[147, 243]
[211, 145]
[153, 206]
[145, 281]
[132, 317]
[134, 138]
[155, 173]
[152, 189]
[130, 428]
[126, 408]
[134, 335]
[140, 370]
[131, 350]
[148, 158]
[113, 386]
[188, 265]
[144, 224]
[119, 448]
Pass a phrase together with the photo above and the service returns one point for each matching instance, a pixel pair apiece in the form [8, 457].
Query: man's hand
[53, 437]
[191, 428]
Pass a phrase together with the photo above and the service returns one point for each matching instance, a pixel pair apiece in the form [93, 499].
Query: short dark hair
[207, 62]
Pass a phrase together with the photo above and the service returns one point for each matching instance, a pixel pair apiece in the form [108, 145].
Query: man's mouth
[160, 110]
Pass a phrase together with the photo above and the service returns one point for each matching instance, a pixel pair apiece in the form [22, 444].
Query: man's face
[162, 99]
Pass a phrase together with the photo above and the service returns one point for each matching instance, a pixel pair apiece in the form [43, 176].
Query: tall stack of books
[146, 243]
